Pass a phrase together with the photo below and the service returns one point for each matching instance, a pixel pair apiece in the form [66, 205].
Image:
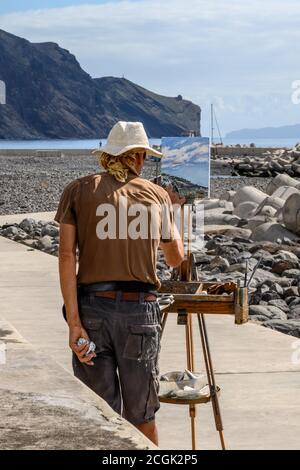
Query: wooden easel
[189, 301]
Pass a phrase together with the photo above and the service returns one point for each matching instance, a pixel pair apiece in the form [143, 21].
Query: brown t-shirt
[119, 227]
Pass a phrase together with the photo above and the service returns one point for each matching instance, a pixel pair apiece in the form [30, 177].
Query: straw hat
[126, 136]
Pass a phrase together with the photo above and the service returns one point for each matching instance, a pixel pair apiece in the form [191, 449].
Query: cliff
[50, 96]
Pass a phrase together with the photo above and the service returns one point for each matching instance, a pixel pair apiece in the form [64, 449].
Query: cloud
[203, 49]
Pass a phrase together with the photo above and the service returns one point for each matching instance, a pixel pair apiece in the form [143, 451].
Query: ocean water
[263, 142]
[57, 144]
[93, 144]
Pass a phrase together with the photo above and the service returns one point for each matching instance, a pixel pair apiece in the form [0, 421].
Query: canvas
[186, 164]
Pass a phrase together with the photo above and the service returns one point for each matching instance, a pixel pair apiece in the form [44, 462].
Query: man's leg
[102, 377]
[150, 431]
[137, 344]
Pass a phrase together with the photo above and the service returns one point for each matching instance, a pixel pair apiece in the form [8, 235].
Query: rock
[258, 220]
[228, 196]
[267, 259]
[50, 230]
[248, 194]
[30, 243]
[283, 265]
[219, 262]
[272, 232]
[293, 273]
[10, 231]
[45, 243]
[292, 292]
[280, 304]
[215, 217]
[230, 253]
[245, 209]
[291, 213]
[288, 327]
[28, 225]
[282, 180]
[227, 230]
[266, 312]
[287, 255]
[275, 287]
[294, 303]
[267, 211]
[269, 296]
[294, 313]
[284, 192]
[20, 236]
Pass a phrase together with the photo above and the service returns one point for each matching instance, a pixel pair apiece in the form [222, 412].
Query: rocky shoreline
[265, 164]
[274, 291]
[246, 220]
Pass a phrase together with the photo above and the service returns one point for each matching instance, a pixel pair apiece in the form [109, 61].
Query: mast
[212, 122]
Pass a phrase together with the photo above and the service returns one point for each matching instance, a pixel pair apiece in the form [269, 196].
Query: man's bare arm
[67, 272]
[68, 283]
[174, 250]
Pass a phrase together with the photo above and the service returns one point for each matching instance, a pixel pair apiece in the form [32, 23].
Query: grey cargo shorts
[127, 337]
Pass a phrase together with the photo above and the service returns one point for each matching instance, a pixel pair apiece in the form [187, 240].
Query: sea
[93, 144]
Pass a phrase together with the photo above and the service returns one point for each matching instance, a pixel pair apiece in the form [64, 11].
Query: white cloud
[229, 49]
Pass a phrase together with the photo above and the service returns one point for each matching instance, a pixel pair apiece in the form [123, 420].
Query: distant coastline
[94, 143]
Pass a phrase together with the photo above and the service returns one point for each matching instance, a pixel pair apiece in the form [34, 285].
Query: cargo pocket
[153, 403]
[143, 343]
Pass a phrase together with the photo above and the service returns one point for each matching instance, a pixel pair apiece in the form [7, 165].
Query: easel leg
[164, 318]
[211, 378]
[190, 366]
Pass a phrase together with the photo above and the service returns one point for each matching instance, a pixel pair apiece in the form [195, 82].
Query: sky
[241, 55]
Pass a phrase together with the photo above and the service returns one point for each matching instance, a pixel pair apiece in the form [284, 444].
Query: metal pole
[211, 378]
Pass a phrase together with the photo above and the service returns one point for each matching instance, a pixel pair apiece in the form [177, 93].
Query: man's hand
[174, 196]
[77, 332]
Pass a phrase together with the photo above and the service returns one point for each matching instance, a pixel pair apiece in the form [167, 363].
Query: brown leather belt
[127, 296]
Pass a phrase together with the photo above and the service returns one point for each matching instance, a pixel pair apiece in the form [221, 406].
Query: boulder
[293, 273]
[219, 262]
[284, 192]
[28, 225]
[283, 265]
[280, 304]
[248, 194]
[50, 230]
[10, 231]
[288, 327]
[291, 292]
[228, 196]
[259, 220]
[272, 232]
[215, 217]
[286, 255]
[291, 213]
[245, 209]
[294, 313]
[282, 180]
[268, 312]
[45, 243]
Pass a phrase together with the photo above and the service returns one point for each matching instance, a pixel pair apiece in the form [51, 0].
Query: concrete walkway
[44, 407]
[260, 399]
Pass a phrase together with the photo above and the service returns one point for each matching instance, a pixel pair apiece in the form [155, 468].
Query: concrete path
[260, 399]
[43, 407]
[17, 218]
